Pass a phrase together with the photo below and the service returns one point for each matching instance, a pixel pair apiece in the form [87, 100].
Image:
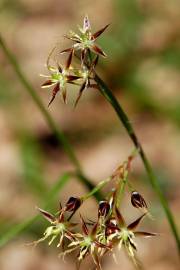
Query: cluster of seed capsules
[97, 238]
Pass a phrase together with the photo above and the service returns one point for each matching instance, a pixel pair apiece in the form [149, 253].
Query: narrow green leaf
[50, 121]
[108, 95]
[19, 228]
[32, 165]
[15, 230]
[33, 93]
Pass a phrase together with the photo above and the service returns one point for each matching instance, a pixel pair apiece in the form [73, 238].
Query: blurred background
[142, 69]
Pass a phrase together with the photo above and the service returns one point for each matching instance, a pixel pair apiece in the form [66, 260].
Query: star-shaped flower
[125, 235]
[58, 78]
[85, 74]
[87, 244]
[59, 228]
[85, 40]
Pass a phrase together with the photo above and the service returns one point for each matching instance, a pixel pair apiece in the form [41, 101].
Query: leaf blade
[18, 228]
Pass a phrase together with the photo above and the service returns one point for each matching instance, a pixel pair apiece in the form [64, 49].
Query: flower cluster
[59, 76]
[97, 238]
[109, 230]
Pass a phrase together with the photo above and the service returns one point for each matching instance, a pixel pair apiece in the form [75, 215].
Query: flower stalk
[109, 230]
[108, 95]
[88, 53]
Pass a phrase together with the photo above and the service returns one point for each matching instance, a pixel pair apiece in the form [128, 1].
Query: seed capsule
[137, 200]
[73, 204]
[104, 208]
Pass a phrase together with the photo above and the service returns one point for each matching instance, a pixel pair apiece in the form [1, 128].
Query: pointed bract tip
[98, 33]
[46, 215]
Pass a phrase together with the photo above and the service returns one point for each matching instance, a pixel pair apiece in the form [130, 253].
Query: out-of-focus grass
[14, 7]
[33, 172]
[48, 200]
[123, 38]
[7, 95]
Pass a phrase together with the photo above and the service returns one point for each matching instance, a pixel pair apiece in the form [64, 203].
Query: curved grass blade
[108, 95]
[55, 129]
[58, 133]
[48, 200]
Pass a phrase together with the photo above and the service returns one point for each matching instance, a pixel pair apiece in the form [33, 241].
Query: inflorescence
[87, 52]
[100, 237]
[97, 238]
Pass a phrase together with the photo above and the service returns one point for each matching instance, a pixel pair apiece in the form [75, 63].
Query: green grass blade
[32, 169]
[106, 92]
[15, 230]
[19, 228]
[58, 133]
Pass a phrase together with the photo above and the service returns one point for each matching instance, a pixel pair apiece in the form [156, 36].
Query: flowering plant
[85, 44]
[108, 231]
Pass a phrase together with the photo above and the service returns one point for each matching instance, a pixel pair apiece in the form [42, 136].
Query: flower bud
[73, 204]
[137, 200]
[104, 208]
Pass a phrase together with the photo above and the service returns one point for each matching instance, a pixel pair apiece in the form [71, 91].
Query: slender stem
[121, 188]
[60, 136]
[106, 92]
[96, 189]
[15, 229]
[57, 132]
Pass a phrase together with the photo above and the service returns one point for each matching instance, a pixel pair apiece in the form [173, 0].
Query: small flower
[85, 74]
[58, 78]
[87, 244]
[86, 40]
[125, 235]
[59, 228]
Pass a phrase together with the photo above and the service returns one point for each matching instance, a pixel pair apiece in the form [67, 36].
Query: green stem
[106, 92]
[60, 136]
[121, 188]
[15, 229]
[96, 189]
[57, 132]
